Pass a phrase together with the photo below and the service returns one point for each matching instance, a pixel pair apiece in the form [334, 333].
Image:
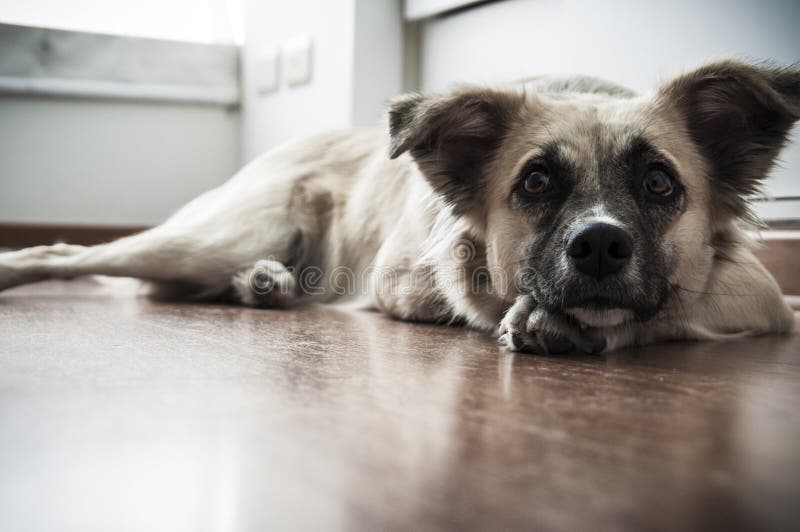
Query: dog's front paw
[526, 327]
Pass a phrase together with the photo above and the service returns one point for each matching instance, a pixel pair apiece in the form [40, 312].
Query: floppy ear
[739, 115]
[452, 137]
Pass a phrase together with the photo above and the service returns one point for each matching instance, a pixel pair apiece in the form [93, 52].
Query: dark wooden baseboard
[780, 254]
[20, 235]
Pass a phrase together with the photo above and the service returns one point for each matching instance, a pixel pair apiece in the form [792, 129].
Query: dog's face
[603, 206]
[599, 203]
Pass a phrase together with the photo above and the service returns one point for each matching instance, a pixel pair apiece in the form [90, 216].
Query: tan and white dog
[570, 213]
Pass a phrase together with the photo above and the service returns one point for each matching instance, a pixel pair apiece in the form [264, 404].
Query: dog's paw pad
[267, 284]
[513, 332]
[515, 338]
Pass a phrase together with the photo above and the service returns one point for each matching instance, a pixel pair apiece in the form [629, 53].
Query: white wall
[118, 162]
[109, 162]
[292, 112]
[109, 130]
[357, 66]
[377, 57]
[634, 42]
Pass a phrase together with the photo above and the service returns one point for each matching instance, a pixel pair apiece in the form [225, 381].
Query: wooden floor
[117, 413]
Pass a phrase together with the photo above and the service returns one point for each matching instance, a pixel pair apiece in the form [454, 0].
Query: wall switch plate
[297, 59]
[266, 70]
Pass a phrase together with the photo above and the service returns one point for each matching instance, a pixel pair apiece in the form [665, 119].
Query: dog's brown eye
[658, 183]
[536, 182]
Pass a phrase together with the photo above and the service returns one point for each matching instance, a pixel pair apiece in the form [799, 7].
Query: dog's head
[600, 203]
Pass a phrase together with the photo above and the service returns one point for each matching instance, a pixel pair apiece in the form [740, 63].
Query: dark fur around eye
[648, 168]
[542, 179]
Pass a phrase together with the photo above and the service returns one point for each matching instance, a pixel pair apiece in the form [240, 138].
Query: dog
[564, 214]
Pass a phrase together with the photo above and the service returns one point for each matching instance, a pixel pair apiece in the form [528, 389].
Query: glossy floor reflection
[117, 413]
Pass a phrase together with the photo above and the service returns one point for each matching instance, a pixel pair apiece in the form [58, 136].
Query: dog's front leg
[527, 327]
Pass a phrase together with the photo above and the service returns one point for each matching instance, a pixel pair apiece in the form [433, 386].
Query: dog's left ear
[739, 115]
[452, 137]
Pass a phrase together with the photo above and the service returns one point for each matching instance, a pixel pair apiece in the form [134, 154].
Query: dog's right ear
[452, 137]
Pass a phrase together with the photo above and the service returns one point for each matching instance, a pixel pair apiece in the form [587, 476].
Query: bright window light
[206, 21]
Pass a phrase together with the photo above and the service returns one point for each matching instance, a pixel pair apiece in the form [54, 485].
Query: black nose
[599, 249]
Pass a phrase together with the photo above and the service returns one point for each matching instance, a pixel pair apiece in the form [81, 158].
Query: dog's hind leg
[272, 209]
[161, 255]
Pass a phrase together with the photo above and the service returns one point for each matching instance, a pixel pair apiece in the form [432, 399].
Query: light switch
[297, 59]
[266, 70]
